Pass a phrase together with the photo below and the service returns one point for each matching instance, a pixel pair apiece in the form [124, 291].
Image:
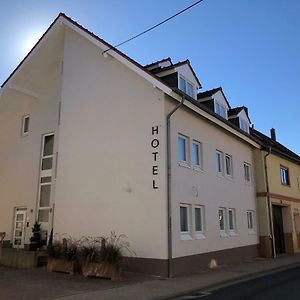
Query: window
[186, 86]
[219, 162]
[247, 172]
[220, 110]
[244, 125]
[222, 220]
[182, 148]
[250, 220]
[199, 222]
[184, 218]
[228, 165]
[197, 154]
[25, 125]
[231, 221]
[284, 174]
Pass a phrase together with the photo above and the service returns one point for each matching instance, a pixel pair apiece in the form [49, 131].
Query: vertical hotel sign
[155, 153]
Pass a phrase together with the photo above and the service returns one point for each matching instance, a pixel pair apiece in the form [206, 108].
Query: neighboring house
[278, 196]
[91, 142]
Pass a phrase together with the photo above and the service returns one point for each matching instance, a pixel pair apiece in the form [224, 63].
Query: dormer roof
[210, 93]
[236, 111]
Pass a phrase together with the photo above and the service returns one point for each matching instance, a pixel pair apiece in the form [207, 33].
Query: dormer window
[244, 125]
[221, 110]
[186, 86]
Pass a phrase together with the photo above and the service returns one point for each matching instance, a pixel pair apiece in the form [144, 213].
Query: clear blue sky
[249, 47]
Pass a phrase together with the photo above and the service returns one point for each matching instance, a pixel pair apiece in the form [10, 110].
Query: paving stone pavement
[38, 284]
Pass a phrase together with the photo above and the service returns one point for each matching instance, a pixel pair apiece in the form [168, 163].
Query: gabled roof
[275, 146]
[158, 62]
[236, 110]
[210, 93]
[172, 66]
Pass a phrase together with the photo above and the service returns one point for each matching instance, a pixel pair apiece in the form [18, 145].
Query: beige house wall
[105, 156]
[196, 187]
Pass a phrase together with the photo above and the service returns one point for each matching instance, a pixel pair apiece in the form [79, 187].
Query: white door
[19, 227]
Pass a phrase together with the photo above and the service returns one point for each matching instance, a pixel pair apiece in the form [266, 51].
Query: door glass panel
[45, 195]
[43, 215]
[20, 217]
[47, 163]
[48, 145]
[46, 179]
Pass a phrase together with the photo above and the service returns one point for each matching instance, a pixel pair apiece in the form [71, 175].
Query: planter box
[102, 270]
[61, 265]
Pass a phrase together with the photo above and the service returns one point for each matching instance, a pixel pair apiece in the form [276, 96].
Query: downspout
[170, 250]
[269, 204]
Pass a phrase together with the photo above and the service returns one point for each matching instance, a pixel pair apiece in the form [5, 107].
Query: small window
[197, 154]
[222, 220]
[284, 175]
[250, 220]
[190, 89]
[186, 86]
[231, 220]
[184, 218]
[199, 219]
[182, 84]
[247, 172]
[182, 148]
[219, 162]
[25, 125]
[228, 165]
[221, 110]
[244, 125]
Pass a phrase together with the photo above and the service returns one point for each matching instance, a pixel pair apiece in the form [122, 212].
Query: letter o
[155, 143]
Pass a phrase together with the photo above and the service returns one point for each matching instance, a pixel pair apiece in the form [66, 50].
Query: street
[281, 285]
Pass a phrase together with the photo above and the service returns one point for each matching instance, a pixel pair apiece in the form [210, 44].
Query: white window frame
[219, 109]
[251, 216]
[218, 153]
[186, 162]
[247, 165]
[24, 118]
[232, 231]
[199, 154]
[200, 234]
[185, 90]
[223, 232]
[230, 174]
[185, 235]
[284, 175]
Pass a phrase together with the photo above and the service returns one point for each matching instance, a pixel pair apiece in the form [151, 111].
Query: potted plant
[36, 241]
[103, 257]
[63, 256]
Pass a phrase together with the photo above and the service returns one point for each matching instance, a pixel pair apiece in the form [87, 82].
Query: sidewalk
[39, 284]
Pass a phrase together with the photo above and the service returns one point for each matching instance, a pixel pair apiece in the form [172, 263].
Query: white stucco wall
[104, 175]
[207, 188]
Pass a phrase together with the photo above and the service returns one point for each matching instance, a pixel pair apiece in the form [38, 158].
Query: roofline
[157, 62]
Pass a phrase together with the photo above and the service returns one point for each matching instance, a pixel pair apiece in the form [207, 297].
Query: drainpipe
[170, 250]
[269, 204]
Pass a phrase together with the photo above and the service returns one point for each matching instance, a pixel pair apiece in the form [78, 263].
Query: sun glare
[30, 40]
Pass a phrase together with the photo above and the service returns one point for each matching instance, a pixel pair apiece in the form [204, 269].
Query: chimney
[273, 134]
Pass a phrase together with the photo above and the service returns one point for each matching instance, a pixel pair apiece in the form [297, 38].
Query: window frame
[186, 82]
[232, 231]
[285, 170]
[230, 174]
[248, 180]
[220, 107]
[223, 232]
[185, 235]
[24, 118]
[218, 153]
[244, 125]
[251, 214]
[199, 234]
[199, 155]
[185, 162]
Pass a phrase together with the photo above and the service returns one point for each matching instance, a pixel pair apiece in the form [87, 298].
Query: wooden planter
[61, 265]
[102, 270]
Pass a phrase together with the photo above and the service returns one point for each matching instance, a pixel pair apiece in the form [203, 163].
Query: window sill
[233, 234]
[220, 175]
[184, 164]
[252, 232]
[185, 237]
[249, 183]
[229, 177]
[200, 236]
[287, 185]
[198, 169]
[223, 235]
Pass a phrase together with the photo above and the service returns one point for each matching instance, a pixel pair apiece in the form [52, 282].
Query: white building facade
[85, 149]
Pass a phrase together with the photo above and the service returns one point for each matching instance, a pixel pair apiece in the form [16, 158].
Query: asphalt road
[281, 285]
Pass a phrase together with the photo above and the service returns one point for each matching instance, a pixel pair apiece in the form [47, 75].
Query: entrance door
[19, 227]
[278, 229]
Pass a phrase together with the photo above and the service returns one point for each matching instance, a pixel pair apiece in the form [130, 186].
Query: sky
[249, 47]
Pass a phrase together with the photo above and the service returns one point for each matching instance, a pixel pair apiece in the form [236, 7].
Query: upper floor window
[186, 86]
[247, 172]
[197, 152]
[182, 148]
[228, 165]
[221, 110]
[219, 162]
[25, 125]
[284, 175]
[244, 125]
